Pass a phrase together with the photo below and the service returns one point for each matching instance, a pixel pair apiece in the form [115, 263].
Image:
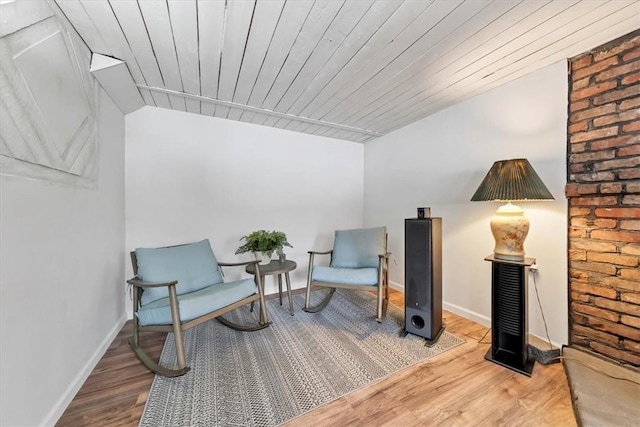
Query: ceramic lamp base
[510, 228]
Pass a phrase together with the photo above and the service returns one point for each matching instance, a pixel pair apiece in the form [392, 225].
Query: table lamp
[510, 181]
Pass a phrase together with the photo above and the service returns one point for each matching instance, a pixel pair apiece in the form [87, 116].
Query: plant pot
[262, 257]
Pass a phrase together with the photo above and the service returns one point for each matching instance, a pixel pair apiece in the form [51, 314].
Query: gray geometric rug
[300, 362]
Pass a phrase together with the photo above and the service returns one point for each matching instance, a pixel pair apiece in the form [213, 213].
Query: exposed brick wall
[604, 199]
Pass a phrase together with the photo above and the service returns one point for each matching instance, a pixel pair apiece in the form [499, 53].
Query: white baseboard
[463, 312]
[396, 286]
[467, 314]
[61, 405]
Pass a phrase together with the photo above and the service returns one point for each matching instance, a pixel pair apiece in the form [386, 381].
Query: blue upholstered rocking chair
[359, 261]
[179, 287]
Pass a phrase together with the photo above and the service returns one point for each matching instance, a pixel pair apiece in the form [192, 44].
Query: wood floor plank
[455, 388]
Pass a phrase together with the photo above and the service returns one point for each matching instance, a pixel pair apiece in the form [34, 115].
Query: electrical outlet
[533, 268]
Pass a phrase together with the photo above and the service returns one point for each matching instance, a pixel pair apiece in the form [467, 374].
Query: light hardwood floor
[456, 388]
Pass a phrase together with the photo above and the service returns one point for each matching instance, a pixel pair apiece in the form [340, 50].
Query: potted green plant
[263, 244]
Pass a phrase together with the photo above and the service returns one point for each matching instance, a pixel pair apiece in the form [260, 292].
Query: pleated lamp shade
[508, 181]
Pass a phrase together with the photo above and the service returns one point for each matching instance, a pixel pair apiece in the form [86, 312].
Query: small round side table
[276, 268]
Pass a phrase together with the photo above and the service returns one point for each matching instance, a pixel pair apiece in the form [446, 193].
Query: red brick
[594, 290]
[621, 307]
[593, 112]
[605, 120]
[617, 94]
[578, 255]
[577, 167]
[592, 155]
[617, 164]
[579, 105]
[631, 127]
[619, 283]
[576, 296]
[592, 69]
[631, 150]
[630, 274]
[632, 187]
[619, 71]
[577, 147]
[617, 48]
[631, 321]
[616, 236]
[596, 312]
[579, 211]
[629, 173]
[579, 275]
[632, 345]
[614, 328]
[631, 199]
[595, 267]
[605, 223]
[611, 188]
[594, 134]
[629, 297]
[596, 335]
[631, 55]
[630, 225]
[581, 83]
[630, 79]
[620, 141]
[571, 190]
[618, 212]
[579, 318]
[625, 260]
[628, 104]
[577, 233]
[590, 245]
[631, 249]
[615, 353]
[578, 127]
[625, 116]
[581, 61]
[594, 201]
[578, 222]
[590, 91]
[593, 177]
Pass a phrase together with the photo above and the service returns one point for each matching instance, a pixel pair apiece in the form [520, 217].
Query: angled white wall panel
[114, 77]
[48, 124]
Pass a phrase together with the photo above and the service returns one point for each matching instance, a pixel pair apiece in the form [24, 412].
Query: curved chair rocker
[179, 287]
[359, 261]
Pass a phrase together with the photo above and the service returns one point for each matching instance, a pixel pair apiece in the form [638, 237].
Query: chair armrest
[142, 284]
[236, 264]
[321, 253]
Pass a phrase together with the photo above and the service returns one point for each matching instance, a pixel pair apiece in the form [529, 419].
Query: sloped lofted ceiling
[353, 69]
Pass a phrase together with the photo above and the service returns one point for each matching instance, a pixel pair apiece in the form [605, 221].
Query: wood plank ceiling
[351, 70]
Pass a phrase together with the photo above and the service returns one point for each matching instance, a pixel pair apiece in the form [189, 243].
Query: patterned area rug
[267, 377]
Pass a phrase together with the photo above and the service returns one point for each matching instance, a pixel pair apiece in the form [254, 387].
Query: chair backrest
[193, 265]
[359, 248]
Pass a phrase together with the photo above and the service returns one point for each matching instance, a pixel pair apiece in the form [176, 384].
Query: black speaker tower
[423, 278]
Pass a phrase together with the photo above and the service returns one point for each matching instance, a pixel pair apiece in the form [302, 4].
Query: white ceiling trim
[260, 110]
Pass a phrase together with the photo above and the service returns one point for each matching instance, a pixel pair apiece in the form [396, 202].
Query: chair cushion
[358, 248]
[346, 276]
[193, 265]
[198, 303]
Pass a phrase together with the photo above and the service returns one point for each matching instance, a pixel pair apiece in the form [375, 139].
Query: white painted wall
[190, 177]
[440, 161]
[61, 280]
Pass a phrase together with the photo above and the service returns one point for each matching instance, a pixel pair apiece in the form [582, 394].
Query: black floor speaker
[423, 277]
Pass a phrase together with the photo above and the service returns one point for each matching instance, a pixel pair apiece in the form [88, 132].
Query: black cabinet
[423, 277]
[509, 329]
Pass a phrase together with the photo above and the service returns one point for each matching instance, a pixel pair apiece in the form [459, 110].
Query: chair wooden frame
[178, 327]
[382, 287]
